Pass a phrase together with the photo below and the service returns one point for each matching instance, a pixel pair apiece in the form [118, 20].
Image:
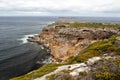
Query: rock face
[64, 41]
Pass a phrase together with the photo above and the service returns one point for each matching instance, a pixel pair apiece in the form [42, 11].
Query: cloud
[58, 7]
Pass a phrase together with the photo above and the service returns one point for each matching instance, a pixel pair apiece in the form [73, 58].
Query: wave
[46, 61]
[25, 37]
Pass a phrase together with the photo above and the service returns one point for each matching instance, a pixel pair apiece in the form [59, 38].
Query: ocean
[17, 55]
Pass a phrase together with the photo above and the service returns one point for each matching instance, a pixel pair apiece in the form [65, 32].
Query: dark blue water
[17, 56]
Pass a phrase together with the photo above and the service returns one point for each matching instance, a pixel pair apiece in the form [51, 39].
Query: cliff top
[81, 24]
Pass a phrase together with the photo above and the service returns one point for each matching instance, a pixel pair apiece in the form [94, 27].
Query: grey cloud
[57, 7]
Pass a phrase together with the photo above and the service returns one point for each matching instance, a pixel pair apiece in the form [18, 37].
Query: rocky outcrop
[64, 41]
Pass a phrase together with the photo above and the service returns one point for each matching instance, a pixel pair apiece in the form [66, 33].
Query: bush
[107, 76]
[108, 70]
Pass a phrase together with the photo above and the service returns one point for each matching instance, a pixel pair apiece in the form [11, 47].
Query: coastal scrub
[39, 72]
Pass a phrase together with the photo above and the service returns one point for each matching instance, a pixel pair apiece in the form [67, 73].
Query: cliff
[67, 38]
[87, 51]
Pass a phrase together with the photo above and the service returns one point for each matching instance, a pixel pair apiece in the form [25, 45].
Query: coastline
[63, 39]
[71, 42]
[25, 37]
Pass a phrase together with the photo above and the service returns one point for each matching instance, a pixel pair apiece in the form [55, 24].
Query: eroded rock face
[64, 41]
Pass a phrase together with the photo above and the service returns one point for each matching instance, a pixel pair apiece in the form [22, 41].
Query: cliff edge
[67, 38]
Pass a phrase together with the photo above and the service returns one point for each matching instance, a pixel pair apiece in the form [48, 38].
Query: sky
[102, 8]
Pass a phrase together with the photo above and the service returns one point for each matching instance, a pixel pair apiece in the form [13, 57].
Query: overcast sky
[60, 8]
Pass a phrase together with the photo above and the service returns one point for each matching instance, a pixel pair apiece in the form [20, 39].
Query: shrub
[108, 70]
[107, 76]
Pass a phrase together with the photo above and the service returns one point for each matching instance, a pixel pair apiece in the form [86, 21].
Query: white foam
[47, 61]
[25, 37]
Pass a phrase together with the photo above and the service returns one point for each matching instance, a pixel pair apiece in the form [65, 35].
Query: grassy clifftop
[78, 24]
[94, 25]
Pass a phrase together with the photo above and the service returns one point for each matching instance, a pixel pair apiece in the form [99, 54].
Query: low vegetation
[106, 46]
[107, 69]
[104, 69]
[83, 57]
[86, 24]
[94, 25]
[39, 72]
[62, 75]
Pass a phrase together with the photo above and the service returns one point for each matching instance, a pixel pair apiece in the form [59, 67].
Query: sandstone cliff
[67, 38]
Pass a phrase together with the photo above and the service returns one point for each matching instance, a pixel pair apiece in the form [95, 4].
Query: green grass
[38, 73]
[88, 25]
[100, 46]
[94, 25]
[83, 57]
